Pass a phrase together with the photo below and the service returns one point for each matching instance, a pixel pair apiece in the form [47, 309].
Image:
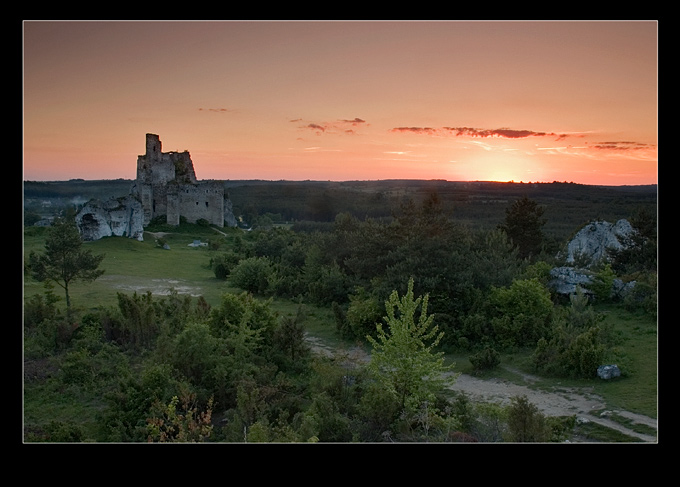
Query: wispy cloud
[505, 133]
[416, 130]
[215, 110]
[341, 126]
[621, 146]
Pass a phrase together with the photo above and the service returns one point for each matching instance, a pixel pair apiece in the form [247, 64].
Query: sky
[536, 101]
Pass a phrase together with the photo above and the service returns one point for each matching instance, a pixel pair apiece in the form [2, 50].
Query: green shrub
[63, 432]
[363, 313]
[222, 264]
[488, 358]
[526, 423]
[38, 308]
[253, 274]
[521, 313]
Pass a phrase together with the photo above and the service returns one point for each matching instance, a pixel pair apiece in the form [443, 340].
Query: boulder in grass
[608, 371]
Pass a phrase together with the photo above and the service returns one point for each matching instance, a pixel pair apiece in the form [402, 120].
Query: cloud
[316, 127]
[215, 110]
[504, 133]
[334, 127]
[621, 146]
[354, 122]
[416, 130]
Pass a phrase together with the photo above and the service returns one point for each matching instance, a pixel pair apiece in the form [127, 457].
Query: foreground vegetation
[231, 362]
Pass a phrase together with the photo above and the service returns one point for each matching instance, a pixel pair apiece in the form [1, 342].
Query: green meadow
[134, 266]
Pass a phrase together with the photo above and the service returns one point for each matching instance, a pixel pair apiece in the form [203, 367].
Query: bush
[577, 343]
[363, 314]
[253, 274]
[526, 423]
[222, 264]
[63, 432]
[521, 313]
[330, 285]
[38, 309]
[485, 359]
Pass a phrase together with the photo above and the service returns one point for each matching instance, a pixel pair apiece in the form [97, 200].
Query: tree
[64, 261]
[639, 250]
[402, 361]
[289, 336]
[523, 223]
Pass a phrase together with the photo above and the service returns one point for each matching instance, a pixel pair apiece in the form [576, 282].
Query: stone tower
[167, 185]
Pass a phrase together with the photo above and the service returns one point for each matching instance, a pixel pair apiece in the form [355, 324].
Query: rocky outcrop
[591, 243]
[229, 218]
[122, 217]
[589, 247]
[565, 280]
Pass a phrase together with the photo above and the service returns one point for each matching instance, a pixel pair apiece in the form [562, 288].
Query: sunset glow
[457, 100]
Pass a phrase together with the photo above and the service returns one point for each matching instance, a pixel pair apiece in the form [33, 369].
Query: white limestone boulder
[591, 243]
[122, 217]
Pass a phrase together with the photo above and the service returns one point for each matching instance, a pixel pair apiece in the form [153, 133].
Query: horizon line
[349, 181]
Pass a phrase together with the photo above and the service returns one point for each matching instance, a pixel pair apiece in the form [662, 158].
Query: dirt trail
[579, 402]
[565, 402]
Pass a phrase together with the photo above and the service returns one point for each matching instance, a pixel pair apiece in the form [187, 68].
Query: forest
[421, 274]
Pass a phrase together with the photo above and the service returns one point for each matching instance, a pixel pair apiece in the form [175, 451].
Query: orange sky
[523, 101]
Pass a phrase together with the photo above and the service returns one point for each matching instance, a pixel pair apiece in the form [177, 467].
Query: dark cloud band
[504, 133]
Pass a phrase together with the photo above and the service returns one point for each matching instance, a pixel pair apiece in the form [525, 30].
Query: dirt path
[564, 402]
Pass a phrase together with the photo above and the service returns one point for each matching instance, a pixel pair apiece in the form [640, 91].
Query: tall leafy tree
[64, 260]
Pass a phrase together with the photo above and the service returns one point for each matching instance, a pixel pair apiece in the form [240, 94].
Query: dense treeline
[477, 280]
[475, 204]
[176, 369]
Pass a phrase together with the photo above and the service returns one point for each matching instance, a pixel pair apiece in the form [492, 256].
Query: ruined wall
[167, 185]
[202, 201]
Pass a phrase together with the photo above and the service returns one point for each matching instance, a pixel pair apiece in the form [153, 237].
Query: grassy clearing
[133, 266]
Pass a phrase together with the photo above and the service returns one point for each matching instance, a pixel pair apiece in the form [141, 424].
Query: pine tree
[403, 360]
[64, 261]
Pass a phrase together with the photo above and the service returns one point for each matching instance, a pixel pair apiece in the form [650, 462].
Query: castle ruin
[167, 185]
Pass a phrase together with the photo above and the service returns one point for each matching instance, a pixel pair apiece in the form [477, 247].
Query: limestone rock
[590, 244]
[608, 371]
[620, 289]
[229, 218]
[113, 217]
[565, 280]
[589, 247]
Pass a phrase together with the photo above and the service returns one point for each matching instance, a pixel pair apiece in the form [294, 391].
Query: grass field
[133, 266]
